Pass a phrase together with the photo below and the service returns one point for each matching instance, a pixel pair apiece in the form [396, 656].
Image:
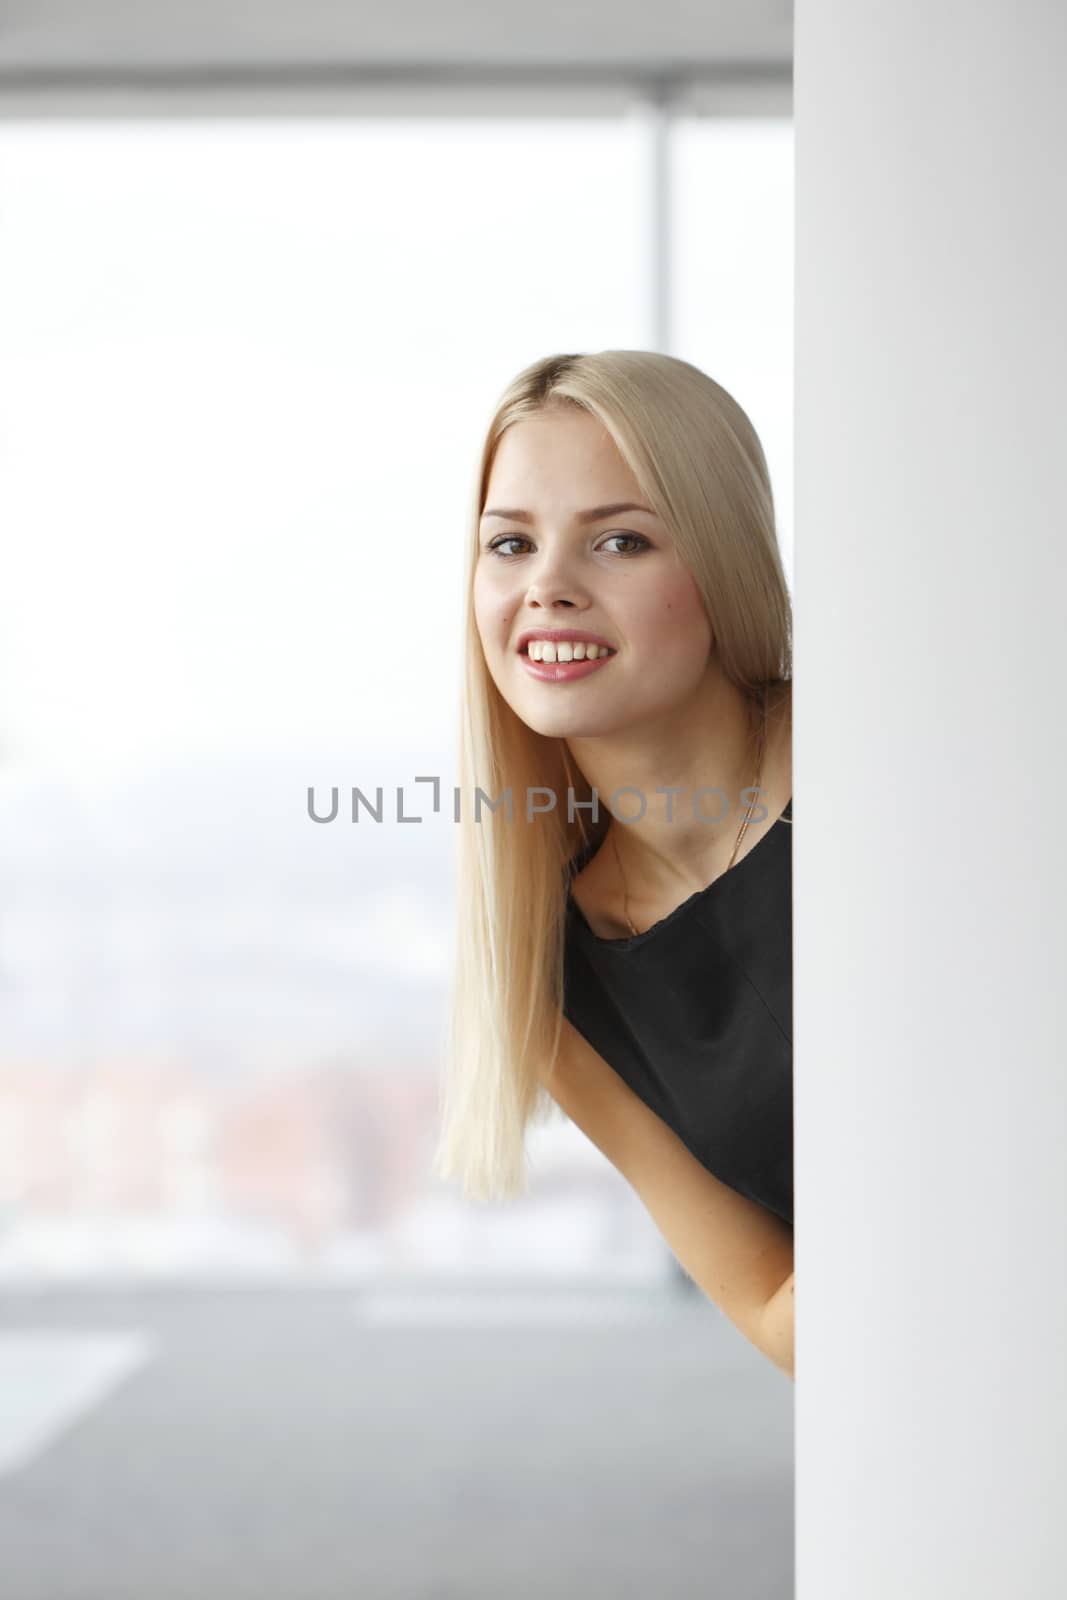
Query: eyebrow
[595, 514]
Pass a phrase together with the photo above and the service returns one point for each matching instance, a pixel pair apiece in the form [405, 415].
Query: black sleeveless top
[696, 1015]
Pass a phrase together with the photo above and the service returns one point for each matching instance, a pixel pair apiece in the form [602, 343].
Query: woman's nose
[551, 584]
[540, 594]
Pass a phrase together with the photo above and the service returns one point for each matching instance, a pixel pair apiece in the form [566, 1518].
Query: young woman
[624, 938]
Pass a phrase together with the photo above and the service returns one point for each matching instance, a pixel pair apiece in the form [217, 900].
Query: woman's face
[544, 566]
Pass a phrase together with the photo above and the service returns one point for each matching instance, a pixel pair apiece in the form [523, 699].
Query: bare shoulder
[601, 1103]
[595, 891]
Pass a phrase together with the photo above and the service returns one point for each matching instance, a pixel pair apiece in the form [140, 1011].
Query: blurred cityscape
[160, 1171]
[221, 1028]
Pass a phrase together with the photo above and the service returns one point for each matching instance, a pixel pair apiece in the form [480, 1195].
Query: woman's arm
[738, 1252]
[778, 1327]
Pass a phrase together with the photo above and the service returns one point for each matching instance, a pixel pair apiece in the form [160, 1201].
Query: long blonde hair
[699, 462]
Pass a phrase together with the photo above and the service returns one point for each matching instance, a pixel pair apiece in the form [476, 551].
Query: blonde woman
[624, 937]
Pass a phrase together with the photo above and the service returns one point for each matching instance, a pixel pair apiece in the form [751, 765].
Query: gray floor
[323, 1445]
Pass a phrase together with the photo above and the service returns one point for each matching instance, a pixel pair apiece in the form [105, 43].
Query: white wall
[930, 865]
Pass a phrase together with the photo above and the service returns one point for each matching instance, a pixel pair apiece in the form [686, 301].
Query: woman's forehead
[572, 459]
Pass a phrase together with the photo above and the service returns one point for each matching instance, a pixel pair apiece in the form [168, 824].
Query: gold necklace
[737, 841]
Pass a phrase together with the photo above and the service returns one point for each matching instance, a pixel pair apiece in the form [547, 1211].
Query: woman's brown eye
[640, 539]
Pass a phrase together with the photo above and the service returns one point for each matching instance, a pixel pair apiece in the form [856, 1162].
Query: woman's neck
[667, 853]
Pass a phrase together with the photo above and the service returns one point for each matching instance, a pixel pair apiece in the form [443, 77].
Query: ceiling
[561, 57]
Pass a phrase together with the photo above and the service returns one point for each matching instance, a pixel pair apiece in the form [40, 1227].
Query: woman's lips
[562, 671]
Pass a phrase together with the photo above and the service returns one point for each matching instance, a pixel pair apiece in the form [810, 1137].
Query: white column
[654, 114]
[931, 800]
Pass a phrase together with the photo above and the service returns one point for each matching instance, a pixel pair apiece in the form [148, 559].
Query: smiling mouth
[560, 671]
[563, 650]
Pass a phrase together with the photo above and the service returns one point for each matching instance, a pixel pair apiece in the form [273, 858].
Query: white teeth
[565, 650]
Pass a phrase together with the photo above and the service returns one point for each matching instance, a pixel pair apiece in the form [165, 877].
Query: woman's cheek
[483, 610]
